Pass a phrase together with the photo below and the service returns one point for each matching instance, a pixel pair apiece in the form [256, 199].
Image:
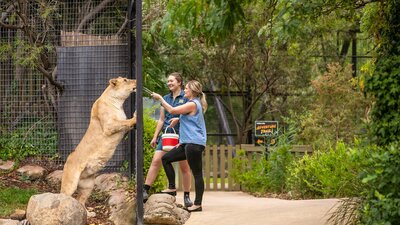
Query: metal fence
[56, 59]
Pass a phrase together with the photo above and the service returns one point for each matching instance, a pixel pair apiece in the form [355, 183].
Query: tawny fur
[107, 127]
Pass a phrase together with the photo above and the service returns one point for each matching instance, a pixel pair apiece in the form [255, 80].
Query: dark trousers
[193, 153]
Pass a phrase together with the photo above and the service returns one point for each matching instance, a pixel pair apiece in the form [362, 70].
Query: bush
[338, 111]
[252, 177]
[148, 132]
[263, 175]
[278, 164]
[38, 138]
[382, 202]
[332, 173]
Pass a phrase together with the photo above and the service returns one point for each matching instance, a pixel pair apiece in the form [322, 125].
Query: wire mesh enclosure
[56, 59]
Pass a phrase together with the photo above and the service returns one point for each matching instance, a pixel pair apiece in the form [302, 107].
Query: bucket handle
[165, 131]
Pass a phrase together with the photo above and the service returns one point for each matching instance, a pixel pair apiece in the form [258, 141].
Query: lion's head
[122, 87]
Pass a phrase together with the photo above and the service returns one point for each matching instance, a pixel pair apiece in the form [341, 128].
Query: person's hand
[173, 122]
[156, 96]
[153, 142]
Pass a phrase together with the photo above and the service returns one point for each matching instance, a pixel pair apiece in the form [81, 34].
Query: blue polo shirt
[179, 100]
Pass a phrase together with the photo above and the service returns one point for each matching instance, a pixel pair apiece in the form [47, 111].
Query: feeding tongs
[147, 91]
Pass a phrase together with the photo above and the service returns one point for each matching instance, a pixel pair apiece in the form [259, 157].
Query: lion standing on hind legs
[107, 127]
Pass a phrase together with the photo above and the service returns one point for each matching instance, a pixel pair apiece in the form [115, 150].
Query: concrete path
[238, 208]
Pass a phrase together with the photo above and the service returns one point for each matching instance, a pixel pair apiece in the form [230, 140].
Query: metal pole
[139, 112]
[131, 75]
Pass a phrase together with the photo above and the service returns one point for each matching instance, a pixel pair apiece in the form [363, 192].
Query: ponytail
[197, 90]
[203, 102]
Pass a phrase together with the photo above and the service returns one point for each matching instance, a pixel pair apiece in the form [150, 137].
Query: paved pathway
[238, 208]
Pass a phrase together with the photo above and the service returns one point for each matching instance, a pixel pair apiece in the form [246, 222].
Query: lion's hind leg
[85, 187]
[70, 178]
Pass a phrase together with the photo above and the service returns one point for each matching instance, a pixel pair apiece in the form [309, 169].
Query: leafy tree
[383, 200]
[339, 110]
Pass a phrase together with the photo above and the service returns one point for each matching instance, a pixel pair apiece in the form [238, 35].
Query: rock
[18, 214]
[32, 172]
[162, 209]
[8, 165]
[122, 208]
[110, 181]
[55, 209]
[55, 178]
[124, 214]
[9, 222]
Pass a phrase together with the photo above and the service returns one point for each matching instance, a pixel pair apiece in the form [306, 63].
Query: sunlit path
[231, 208]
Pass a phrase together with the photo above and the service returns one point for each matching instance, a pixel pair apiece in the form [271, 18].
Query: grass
[12, 198]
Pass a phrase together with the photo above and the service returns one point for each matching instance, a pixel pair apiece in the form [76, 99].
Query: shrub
[338, 111]
[148, 152]
[268, 174]
[37, 138]
[252, 177]
[332, 173]
[382, 202]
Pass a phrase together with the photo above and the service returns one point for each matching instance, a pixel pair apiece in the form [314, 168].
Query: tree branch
[92, 15]
[4, 16]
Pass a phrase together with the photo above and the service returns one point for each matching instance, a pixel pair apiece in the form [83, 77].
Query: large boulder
[55, 209]
[162, 209]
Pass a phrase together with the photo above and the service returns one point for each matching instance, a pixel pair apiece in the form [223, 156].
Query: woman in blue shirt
[168, 121]
[192, 138]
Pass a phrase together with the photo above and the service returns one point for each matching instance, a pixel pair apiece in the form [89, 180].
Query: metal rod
[147, 90]
[139, 112]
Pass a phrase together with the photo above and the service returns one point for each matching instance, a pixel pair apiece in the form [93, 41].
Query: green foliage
[337, 113]
[382, 202]
[251, 176]
[267, 173]
[384, 85]
[23, 141]
[148, 151]
[332, 173]
[278, 168]
[211, 20]
[12, 198]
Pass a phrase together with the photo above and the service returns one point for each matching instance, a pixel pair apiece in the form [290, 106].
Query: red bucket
[169, 140]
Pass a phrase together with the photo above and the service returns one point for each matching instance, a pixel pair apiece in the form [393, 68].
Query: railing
[217, 164]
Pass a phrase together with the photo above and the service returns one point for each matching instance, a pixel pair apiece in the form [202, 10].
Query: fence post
[207, 167]
[215, 167]
[222, 166]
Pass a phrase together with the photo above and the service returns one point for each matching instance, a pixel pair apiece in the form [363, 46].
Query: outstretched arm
[188, 107]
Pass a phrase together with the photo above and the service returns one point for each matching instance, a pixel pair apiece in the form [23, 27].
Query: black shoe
[194, 209]
[145, 196]
[186, 201]
[173, 193]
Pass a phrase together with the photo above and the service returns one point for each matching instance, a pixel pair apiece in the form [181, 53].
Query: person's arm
[173, 122]
[160, 124]
[188, 107]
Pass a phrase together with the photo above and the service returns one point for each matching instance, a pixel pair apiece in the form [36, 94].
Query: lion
[108, 125]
